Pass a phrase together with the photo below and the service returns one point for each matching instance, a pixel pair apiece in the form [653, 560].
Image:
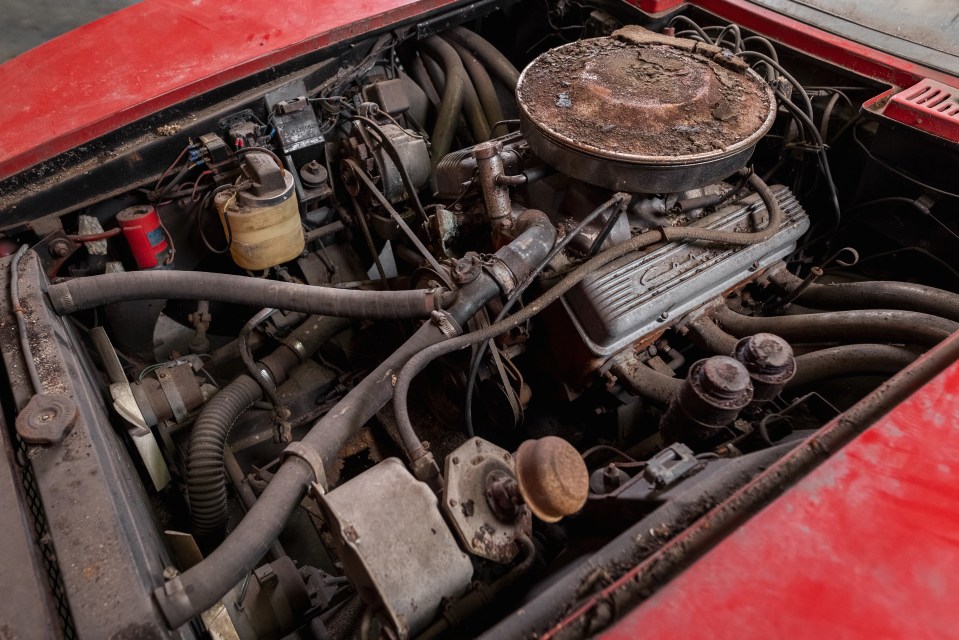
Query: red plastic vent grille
[931, 106]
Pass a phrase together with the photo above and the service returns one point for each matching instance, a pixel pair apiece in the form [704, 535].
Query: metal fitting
[490, 166]
[770, 362]
[467, 269]
[711, 397]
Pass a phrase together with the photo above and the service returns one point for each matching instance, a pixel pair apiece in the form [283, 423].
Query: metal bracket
[452, 19]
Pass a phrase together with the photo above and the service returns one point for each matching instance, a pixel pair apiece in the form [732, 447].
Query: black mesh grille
[46, 546]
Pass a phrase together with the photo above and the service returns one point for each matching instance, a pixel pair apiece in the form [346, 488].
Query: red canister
[144, 233]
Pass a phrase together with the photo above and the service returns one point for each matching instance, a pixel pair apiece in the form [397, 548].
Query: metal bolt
[466, 270]
[503, 496]
[169, 573]
[60, 248]
[663, 316]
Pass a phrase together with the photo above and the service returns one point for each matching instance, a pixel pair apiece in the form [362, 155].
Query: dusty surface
[646, 100]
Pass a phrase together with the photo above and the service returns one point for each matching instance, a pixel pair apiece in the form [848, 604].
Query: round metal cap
[651, 116]
[552, 478]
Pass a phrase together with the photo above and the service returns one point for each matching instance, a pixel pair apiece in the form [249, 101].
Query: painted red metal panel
[157, 53]
[866, 546]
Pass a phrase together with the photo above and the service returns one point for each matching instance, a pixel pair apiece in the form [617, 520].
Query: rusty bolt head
[60, 248]
[466, 270]
[552, 477]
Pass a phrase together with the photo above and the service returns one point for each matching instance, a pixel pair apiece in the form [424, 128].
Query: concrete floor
[27, 23]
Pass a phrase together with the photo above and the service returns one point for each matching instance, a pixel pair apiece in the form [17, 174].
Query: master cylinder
[262, 220]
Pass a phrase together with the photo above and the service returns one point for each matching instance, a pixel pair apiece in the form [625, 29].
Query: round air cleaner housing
[642, 112]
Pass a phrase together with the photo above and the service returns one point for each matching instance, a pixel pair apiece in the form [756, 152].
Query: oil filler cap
[552, 478]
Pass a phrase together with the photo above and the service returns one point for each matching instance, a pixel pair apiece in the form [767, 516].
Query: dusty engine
[414, 343]
[660, 120]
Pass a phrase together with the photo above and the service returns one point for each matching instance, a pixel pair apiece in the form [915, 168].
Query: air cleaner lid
[642, 100]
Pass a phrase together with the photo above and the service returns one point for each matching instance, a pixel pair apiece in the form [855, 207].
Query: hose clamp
[314, 460]
[173, 397]
[502, 274]
[297, 347]
[444, 322]
[434, 299]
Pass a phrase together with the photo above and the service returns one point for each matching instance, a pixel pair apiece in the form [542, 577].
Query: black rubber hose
[459, 92]
[205, 480]
[94, 291]
[878, 295]
[850, 359]
[524, 255]
[648, 382]
[206, 484]
[491, 57]
[481, 82]
[203, 585]
[668, 234]
[881, 325]
[704, 333]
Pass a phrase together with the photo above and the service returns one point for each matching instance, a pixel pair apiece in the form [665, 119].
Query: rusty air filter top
[643, 112]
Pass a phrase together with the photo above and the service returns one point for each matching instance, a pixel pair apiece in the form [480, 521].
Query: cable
[605, 231]
[94, 237]
[823, 161]
[899, 173]
[246, 355]
[911, 202]
[691, 24]
[807, 103]
[368, 182]
[732, 28]
[892, 252]
[766, 43]
[156, 188]
[394, 155]
[477, 359]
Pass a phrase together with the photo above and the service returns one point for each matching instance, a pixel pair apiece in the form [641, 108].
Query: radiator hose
[93, 291]
[206, 483]
[200, 587]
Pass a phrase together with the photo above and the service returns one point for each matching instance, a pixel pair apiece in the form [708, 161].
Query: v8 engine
[436, 335]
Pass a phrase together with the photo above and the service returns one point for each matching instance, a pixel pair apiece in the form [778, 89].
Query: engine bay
[440, 335]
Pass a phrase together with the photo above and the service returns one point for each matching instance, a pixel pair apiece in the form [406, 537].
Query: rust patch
[641, 100]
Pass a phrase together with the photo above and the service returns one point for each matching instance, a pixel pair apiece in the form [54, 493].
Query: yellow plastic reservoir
[262, 223]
